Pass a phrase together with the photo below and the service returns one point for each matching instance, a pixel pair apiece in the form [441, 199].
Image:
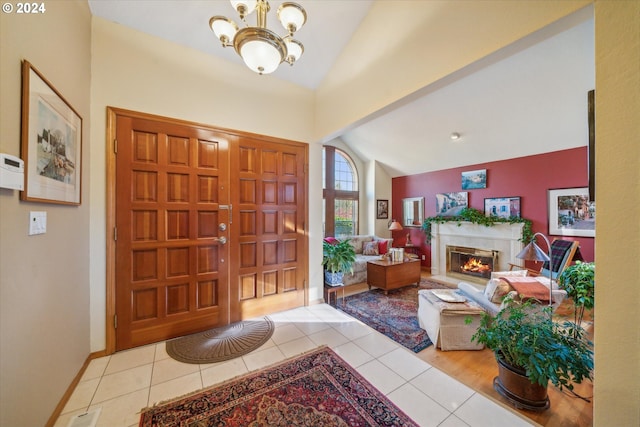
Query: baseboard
[67, 395]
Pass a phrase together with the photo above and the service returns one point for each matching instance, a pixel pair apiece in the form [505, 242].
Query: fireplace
[504, 239]
[471, 263]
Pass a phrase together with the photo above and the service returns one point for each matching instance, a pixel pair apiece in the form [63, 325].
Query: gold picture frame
[51, 142]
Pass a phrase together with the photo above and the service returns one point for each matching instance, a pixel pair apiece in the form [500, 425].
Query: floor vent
[87, 419]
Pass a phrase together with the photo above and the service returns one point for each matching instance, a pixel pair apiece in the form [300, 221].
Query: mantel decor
[51, 142]
[477, 217]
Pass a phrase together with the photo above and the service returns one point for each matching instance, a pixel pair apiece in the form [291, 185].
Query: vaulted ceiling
[528, 98]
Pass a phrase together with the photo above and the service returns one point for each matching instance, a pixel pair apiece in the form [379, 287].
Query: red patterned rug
[317, 388]
[394, 314]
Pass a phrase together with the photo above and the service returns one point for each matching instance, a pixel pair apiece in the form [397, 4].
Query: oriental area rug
[394, 315]
[317, 388]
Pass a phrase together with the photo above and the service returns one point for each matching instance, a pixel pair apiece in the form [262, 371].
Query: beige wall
[44, 279]
[617, 334]
[135, 71]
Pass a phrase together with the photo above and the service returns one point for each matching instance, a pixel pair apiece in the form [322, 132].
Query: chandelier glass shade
[261, 49]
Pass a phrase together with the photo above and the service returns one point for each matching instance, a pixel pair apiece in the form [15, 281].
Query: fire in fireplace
[470, 262]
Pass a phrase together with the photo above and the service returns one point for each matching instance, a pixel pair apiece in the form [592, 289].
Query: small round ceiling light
[455, 136]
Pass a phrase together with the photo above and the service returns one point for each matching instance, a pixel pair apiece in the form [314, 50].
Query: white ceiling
[527, 99]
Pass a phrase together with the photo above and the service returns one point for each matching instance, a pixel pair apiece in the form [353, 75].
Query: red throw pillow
[382, 247]
[331, 240]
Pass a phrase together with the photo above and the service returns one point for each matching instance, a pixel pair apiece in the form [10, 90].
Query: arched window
[340, 193]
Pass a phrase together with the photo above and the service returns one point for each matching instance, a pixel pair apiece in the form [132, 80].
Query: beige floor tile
[123, 410]
[216, 373]
[259, 359]
[380, 376]
[479, 411]
[423, 410]
[404, 363]
[177, 387]
[168, 369]
[123, 382]
[96, 368]
[128, 359]
[445, 390]
[82, 395]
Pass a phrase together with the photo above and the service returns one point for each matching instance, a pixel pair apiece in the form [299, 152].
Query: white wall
[44, 279]
[135, 71]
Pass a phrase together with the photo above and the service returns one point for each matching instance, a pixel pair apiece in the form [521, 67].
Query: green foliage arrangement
[579, 282]
[477, 217]
[545, 350]
[338, 257]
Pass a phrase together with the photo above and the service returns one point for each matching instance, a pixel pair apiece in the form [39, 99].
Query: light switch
[37, 222]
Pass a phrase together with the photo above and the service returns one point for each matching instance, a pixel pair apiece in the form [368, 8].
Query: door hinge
[115, 146]
[115, 321]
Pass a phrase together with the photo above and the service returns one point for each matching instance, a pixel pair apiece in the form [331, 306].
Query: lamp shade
[292, 16]
[532, 252]
[261, 49]
[224, 28]
[294, 50]
[395, 226]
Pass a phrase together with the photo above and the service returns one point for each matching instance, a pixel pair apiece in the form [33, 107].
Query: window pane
[346, 217]
[345, 174]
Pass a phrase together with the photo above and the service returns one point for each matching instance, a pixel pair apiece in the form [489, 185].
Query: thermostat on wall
[11, 172]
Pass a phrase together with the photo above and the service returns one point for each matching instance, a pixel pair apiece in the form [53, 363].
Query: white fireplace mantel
[503, 237]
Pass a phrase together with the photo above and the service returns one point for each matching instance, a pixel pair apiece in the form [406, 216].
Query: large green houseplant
[338, 257]
[531, 346]
[579, 282]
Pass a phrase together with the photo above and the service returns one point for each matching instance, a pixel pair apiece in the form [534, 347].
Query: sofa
[491, 296]
[367, 247]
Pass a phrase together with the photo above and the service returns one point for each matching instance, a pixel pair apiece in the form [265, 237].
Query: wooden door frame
[110, 295]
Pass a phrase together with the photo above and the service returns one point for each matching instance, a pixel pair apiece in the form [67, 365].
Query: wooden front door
[208, 230]
[269, 203]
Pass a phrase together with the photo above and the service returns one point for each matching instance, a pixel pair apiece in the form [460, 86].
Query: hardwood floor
[476, 369]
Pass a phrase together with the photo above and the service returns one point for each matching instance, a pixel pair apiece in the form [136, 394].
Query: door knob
[222, 226]
[222, 240]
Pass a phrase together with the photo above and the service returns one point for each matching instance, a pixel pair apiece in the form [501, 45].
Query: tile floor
[124, 383]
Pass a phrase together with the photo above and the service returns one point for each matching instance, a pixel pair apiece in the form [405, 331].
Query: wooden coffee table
[392, 275]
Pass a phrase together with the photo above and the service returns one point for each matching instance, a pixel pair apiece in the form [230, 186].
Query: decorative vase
[513, 384]
[333, 279]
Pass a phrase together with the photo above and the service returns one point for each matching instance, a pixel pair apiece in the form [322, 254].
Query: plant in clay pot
[530, 345]
[579, 282]
[338, 257]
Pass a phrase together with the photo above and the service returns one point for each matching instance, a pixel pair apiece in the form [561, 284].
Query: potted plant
[338, 257]
[579, 282]
[532, 350]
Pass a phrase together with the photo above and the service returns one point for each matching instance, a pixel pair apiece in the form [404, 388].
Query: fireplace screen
[478, 263]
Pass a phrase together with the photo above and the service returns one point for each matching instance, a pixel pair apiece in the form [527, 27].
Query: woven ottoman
[445, 322]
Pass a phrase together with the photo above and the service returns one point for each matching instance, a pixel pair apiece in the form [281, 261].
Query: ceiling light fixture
[261, 49]
[455, 136]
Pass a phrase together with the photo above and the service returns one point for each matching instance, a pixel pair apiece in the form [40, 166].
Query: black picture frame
[382, 209]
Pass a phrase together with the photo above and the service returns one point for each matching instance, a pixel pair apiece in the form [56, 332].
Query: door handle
[222, 240]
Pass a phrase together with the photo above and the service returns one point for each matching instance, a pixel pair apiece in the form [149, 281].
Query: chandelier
[261, 49]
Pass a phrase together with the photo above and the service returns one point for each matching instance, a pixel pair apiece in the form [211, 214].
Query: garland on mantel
[477, 217]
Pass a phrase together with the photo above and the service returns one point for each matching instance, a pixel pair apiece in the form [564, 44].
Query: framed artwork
[382, 209]
[51, 142]
[474, 179]
[571, 213]
[502, 207]
[450, 204]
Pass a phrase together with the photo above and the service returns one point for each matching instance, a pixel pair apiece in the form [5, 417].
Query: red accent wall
[527, 177]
